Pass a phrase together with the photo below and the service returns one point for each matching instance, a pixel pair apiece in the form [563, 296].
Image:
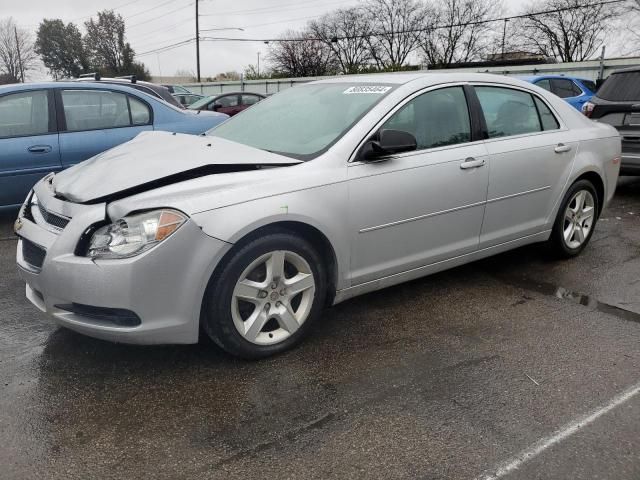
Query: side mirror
[387, 142]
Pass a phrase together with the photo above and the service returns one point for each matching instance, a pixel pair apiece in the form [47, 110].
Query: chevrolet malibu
[323, 192]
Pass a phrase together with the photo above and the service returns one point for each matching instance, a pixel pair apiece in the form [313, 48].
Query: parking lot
[519, 366]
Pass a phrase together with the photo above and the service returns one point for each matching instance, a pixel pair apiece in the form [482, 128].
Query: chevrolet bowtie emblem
[17, 225]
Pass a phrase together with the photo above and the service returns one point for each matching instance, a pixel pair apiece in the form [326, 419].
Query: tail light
[587, 109]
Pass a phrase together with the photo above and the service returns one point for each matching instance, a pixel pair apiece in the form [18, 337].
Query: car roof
[531, 78]
[237, 93]
[425, 77]
[124, 87]
[626, 70]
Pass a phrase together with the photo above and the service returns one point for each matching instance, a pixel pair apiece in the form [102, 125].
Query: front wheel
[265, 297]
[576, 219]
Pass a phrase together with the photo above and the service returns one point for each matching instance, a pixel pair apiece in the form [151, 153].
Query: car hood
[155, 159]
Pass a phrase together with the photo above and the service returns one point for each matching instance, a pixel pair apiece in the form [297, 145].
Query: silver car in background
[320, 193]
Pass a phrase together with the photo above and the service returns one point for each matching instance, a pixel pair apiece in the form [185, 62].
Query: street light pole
[197, 42]
[258, 64]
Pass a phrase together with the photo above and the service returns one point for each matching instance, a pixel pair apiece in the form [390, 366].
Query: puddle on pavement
[575, 297]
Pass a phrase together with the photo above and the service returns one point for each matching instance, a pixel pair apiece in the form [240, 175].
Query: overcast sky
[156, 23]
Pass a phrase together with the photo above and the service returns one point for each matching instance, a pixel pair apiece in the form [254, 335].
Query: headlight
[134, 234]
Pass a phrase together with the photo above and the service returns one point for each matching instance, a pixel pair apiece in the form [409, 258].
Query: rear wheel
[265, 297]
[576, 219]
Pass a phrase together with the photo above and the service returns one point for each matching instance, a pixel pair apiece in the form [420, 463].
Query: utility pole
[197, 42]
[601, 70]
[21, 67]
[504, 36]
[258, 63]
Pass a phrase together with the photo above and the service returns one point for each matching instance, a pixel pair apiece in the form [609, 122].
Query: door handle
[561, 148]
[39, 149]
[471, 163]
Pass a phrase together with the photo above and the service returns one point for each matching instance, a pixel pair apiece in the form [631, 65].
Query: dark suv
[618, 103]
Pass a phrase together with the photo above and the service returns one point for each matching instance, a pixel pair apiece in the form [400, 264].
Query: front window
[436, 119]
[302, 122]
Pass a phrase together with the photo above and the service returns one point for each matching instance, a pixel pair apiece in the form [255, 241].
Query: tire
[563, 242]
[241, 295]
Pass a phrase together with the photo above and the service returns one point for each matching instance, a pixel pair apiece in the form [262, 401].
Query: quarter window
[437, 118]
[140, 114]
[549, 121]
[23, 114]
[101, 109]
[508, 111]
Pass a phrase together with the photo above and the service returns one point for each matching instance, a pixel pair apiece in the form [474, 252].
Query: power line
[164, 29]
[166, 47]
[148, 9]
[271, 9]
[114, 8]
[148, 44]
[309, 17]
[160, 16]
[416, 30]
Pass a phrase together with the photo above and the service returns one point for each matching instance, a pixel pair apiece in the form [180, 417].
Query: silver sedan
[320, 193]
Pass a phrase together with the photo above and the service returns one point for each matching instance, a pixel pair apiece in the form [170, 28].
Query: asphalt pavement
[519, 367]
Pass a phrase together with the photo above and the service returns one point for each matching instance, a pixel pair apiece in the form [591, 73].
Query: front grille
[51, 218]
[33, 254]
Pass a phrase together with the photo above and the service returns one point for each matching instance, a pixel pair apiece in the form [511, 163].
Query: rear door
[93, 121]
[28, 142]
[529, 163]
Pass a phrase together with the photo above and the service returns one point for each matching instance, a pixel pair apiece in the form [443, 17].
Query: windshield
[200, 103]
[303, 121]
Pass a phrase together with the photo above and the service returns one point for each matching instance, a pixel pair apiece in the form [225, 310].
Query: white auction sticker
[375, 89]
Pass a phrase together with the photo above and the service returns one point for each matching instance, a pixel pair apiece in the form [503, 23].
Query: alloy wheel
[578, 218]
[273, 297]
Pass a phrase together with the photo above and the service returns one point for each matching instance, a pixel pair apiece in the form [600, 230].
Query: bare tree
[396, 26]
[572, 33]
[17, 55]
[457, 32]
[345, 33]
[300, 54]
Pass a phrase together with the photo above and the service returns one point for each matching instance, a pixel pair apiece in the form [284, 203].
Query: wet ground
[518, 366]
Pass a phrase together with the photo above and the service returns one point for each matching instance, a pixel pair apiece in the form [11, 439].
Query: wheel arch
[308, 232]
[598, 183]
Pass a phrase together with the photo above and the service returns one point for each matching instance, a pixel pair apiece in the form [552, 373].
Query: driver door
[420, 207]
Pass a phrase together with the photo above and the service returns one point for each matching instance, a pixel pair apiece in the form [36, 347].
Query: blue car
[46, 127]
[575, 91]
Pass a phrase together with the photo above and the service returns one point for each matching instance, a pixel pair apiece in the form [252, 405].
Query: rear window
[621, 87]
[590, 85]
